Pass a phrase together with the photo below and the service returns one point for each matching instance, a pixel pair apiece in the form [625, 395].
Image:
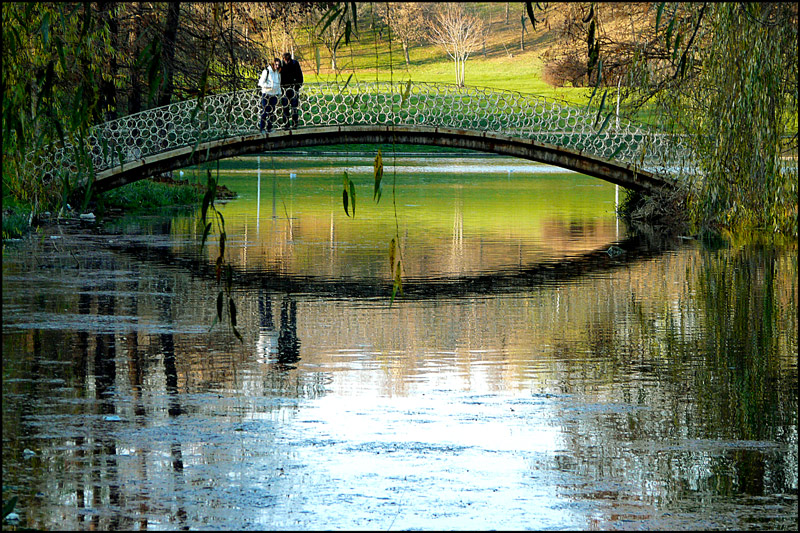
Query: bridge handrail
[546, 120]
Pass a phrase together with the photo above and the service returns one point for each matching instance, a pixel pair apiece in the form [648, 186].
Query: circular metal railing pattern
[188, 123]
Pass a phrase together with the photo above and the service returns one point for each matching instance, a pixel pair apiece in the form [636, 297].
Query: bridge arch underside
[620, 174]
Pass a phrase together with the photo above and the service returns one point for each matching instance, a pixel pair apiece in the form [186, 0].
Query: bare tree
[458, 32]
[406, 21]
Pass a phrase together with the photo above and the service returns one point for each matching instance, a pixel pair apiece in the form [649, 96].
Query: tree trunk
[405, 51]
[459, 63]
[168, 51]
[507, 3]
[522, 35]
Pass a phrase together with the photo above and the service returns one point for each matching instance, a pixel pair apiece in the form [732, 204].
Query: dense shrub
[567, 70]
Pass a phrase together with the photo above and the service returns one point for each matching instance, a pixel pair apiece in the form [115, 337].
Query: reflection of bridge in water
[507, 281]
[188, 133]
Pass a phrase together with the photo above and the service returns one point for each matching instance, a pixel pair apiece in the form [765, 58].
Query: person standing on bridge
[270, 83]
[292, 79]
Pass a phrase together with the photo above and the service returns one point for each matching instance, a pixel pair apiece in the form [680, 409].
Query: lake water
[526, 378]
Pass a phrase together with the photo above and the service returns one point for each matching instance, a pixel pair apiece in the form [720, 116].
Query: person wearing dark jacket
[291, 80]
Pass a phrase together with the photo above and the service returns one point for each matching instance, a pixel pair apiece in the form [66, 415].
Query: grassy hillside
[504, 65]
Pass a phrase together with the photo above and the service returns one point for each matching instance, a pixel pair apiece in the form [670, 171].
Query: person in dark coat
[292, 81]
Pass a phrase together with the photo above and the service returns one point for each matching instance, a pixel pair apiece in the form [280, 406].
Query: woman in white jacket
[270, 83]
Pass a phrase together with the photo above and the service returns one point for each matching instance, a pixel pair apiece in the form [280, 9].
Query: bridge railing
[189, 123]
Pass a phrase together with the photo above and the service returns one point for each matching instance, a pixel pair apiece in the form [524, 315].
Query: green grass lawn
[503, 66]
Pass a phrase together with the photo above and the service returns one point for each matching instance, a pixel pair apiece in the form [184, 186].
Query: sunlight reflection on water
[526, 379]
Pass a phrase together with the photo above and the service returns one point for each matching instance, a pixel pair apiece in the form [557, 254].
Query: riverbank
[146, 195]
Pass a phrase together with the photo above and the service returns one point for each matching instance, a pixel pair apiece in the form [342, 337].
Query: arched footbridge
[188, 133]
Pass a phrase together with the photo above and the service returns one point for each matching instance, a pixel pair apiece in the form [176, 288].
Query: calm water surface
[526, 379]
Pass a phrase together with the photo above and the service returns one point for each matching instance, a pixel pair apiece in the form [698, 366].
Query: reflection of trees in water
[167, 343]
[139, 376]
[709, 387]
[700, 362]
[105, 480]
[751, 330]
[737, 292]
[104, 453]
